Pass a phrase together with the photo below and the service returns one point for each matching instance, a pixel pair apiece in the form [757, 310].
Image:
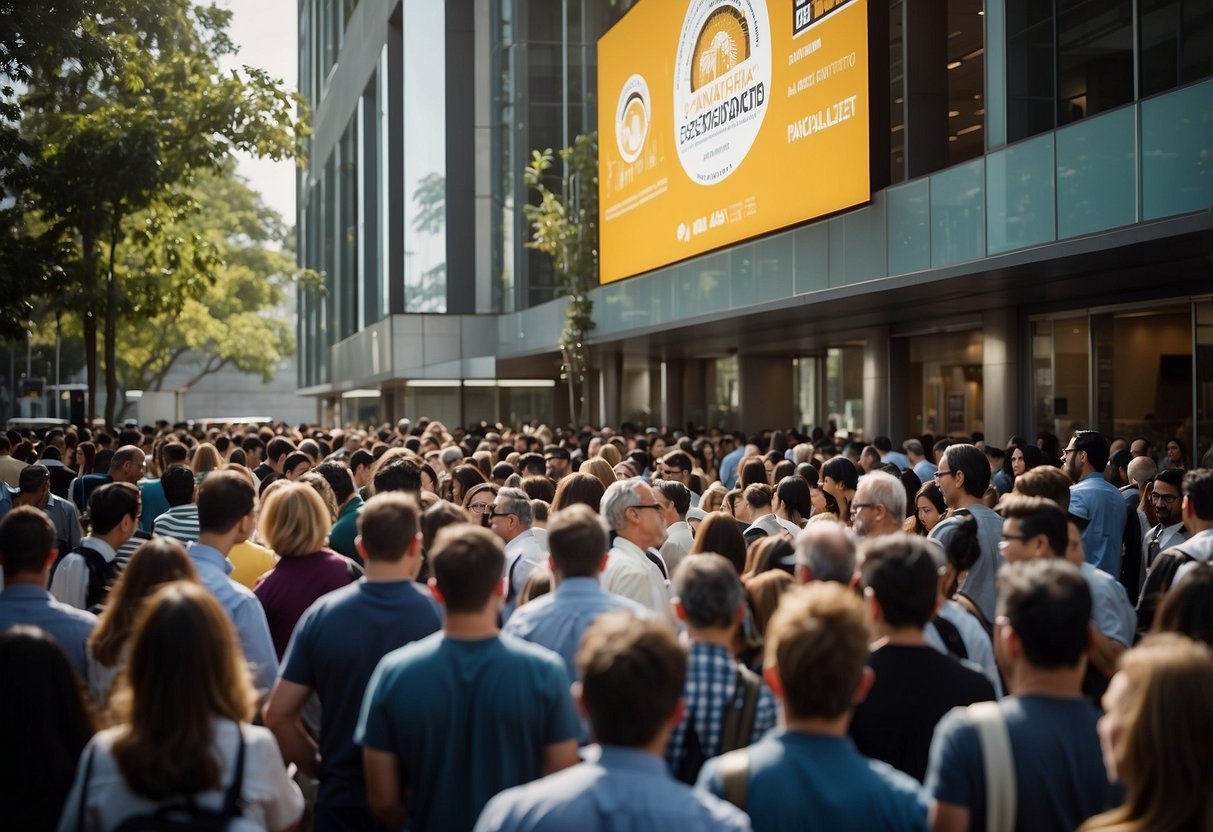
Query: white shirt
[70, 584]
[678, 544]
[631, 574]
[271, 800]
[523, 555]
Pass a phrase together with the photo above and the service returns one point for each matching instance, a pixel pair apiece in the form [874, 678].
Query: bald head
[127, 464]
[1141, 470]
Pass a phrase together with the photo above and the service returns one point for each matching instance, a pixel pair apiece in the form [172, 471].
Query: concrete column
[877, 419]
[1000, 377]
[767, 398]
[610, 389]
[697, 378]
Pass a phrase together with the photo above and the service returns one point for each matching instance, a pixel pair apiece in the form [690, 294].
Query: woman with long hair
[582, 487]
[1157, 737]
[206, 459]
[839, 479]
[706, 464]
[159, 561]
[185, 701]
[793, 503]
[719, 534]
[46, 724]
[295, 524]
[599, 467]
[463, 478]
[929, 509]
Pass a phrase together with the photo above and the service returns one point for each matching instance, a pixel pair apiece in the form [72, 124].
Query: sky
[265, 31]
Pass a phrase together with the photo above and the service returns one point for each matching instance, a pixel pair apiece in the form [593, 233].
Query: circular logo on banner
[632, 115]
[722, 82]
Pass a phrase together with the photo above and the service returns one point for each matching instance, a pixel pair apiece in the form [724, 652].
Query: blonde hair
[294, 520]
[713, 497]
[599, 467]
[1165, 751]
[206, 459]
[611, 454]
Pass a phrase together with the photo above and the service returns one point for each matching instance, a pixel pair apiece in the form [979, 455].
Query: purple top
[287, 590]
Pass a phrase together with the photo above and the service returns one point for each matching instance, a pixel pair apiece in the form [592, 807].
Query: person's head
[294, 521]
[963, 475]
[709, 595]
[276, 452]
[825, 551]
[1157, 733]
[1177, 453]
[756, 501]
[400, 473]
[1141, 470]
[179, 486]
[337, 474]
[467, 563]
[719, 534]
[511, 514]
[254, 450]
[27, 543]
[478, 503]
[1086, 452]
[389, 529]
[206, 459]
[816, 650]
[1044, 614]
[1033, 527]
[1187, 607]
[840, 470]
[869, 458]
[795, 497]
[579, 488]
[159, 561]
[929, 506]
[632, 674]
[633, 513]
[113, 510]
[226, 505]
[185, 642]
[769, 552]
[676, 466]
[900, 580]
[577, 542]
[1046, 481]
[763, 592]
[674, 499]
[1167, 496]
[128, 464]
[1198, 498]
[464, 478]
[879, 506]
[556, 461]
[914, 450]
[539, 488]
[296, 465]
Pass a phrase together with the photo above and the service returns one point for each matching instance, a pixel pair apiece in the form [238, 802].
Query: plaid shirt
[711, 687]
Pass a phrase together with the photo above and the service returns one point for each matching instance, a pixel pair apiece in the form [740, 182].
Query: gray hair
[709, 590]
[620, 496]
[451, 455]
[518, 503]
[1141, 470]
[885, 490]
[914, 448]
[828, 550]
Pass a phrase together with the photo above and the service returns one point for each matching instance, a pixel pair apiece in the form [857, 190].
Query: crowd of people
[409, 627]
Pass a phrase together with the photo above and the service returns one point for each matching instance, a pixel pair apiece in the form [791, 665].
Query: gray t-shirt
[979, 585]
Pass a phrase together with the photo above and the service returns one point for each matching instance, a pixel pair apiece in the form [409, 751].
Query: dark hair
[902, 573]
[27, 538]
[808, 472]
[577, 540]
[632, 677]
[1188, 606]
[912, 485]
[278, 447]
[771, 552]
[361, 458]
[753, 472]
[399, 474]
[224, 499]
[178, 484]
[677, 493]
[1038, 516]
[468, 476]
[969, 460]
[337, 475]
[794, 493]
[532, 464]
[294, 460]
[578, 487]
[718, 534]
[467, 563]
[109, 503]
[964, 545]
[538, 488]
[47, 724]
[1047, 482]
[436, 518]
[1049, 605]
[1198, 488]
[841, 470]
[388, 525]
[709, 590]
[1093, 443]
[758, 495]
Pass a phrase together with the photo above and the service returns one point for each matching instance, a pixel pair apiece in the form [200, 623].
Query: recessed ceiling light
[954, 64]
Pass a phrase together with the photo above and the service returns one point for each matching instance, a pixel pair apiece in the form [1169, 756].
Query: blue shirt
[466, 718]
[557, 620]
[380, 616]
[1059, 771]
[728, 466]
[1102, 504]
[925, 470]
[710, 688]
[34, 606]
[897, 458]
[619, 789]
[243, 608]
[979, 584]
[153, 503]
[797, 780]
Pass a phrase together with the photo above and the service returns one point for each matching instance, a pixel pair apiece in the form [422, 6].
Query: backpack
[950, 635]
[736, 731]
[183, 815]
[101, 575]
[1158, 582]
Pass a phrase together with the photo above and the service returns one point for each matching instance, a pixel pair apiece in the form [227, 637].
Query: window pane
[1094, 57]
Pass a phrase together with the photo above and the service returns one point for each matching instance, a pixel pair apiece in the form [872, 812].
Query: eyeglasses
[856, 507]
[1169, 499]
[647, 505]
[1007, 537]
[1070, 451]
[939, 474]
[481, 508]
[493, 514]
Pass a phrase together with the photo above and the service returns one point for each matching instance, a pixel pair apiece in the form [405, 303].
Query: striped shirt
[179, 523]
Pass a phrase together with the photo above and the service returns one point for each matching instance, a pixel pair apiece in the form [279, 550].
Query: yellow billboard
[723, 119]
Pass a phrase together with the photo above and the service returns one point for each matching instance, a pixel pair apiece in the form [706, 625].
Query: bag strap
[88, 775]
[734, 776]
[999, 762]
[231, 801]
[739, 720]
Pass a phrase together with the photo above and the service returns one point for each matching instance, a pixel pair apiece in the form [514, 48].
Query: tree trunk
[88, 244]
[111, 336]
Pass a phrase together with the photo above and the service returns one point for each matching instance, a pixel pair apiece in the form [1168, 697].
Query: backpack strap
[735, 776]
[88, 775]
[739, 719]
[232, 807]
[999, 763]
[949, 633]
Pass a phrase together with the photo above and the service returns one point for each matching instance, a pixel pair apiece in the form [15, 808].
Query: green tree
[114, 143]
[564, 226]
